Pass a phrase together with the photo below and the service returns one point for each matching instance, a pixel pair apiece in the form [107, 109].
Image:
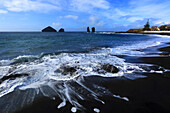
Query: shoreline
[148, 32]
[146, 95]
[161, 60]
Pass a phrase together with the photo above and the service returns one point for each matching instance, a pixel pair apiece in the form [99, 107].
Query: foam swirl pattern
[54, 75]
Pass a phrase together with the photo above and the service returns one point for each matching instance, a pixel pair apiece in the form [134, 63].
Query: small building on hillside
[148, 28]
[162, 28]
[155, 28]
[168, 27]
[165, 28]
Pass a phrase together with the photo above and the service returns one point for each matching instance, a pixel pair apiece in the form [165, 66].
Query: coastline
[148, 32]
[146, 95]
[161, 60]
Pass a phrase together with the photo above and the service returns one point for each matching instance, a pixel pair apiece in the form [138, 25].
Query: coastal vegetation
[151, 29]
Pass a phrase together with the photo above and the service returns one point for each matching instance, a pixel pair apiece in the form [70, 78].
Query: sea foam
[53, 75]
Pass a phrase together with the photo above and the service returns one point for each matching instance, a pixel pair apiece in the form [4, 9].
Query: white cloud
[151, 9]
[71, 16]
[119, 12]
[59, 17]
[133, 13]
[3, 11]
[133, 19]
[158, 11]
[159, 22]
[57, 25]
[95, 21]
[100, 23]
[28, 5]
[89, 5]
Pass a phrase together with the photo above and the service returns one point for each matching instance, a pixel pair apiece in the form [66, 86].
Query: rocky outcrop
[110, 68]
[61, 30]
[153, 68]
[49, 29]
[88, 29]
[12, 77]
[65, 70]
[93, 29]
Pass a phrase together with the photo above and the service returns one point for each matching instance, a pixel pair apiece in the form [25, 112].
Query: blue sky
[76, 15]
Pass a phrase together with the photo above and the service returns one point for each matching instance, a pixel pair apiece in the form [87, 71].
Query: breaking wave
[63, 76]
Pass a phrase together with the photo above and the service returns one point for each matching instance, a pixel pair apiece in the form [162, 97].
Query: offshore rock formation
[88, 29]
[61, 30]
[93, 29]
[49, 29]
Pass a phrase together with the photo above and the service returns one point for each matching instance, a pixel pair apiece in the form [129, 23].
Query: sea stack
[93, 29]
[88, 30]
[49, 29]
[61, 30]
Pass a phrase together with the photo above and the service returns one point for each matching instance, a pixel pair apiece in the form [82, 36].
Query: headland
[160, 30]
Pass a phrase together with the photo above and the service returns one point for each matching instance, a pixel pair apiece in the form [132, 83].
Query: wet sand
[163, 60]
[146, 95]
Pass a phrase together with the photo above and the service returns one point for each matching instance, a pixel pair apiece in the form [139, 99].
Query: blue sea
[54, 65]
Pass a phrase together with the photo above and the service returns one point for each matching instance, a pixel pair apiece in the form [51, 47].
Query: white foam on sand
[74, 109]
[55, 67]
[123, 98]
[52, 75]
[96, 110]
[62, 104]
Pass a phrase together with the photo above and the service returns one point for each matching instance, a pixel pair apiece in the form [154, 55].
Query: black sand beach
[146, 95]
[162, 60]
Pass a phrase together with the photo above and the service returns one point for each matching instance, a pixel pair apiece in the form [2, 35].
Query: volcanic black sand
[163, 60]
[146, 95]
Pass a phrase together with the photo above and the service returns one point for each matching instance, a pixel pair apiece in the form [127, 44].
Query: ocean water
[53, 65]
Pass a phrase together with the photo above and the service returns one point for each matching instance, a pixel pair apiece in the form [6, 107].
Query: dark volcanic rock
[49, 29]
[93, 29]
[70, 70]
[66, 70]
[61, 30]
[162, 54]
[88, 29]
[110, 68]
[154, 68]
[12, 77]
[166, 49]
